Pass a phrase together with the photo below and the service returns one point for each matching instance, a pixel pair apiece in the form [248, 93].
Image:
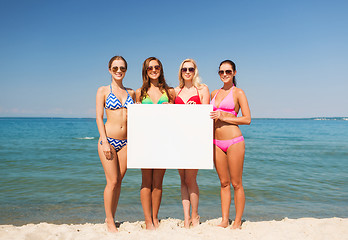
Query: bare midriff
[116, 124]
[226, 131]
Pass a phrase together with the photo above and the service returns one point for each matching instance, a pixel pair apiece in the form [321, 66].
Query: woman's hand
[216, 115]
[107, 150]
[222, 116]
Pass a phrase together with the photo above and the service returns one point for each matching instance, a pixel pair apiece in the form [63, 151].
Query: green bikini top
[163, 98]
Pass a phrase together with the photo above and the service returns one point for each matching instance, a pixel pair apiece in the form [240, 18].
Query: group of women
[228, 141]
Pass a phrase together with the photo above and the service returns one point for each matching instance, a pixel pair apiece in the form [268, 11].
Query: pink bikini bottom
[225, 144]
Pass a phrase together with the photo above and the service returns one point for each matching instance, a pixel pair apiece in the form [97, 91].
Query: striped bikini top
[148, 100]
[113, 103]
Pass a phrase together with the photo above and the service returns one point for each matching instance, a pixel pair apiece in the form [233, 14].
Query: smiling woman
[112, 147]
[191, 91]
[154, 90]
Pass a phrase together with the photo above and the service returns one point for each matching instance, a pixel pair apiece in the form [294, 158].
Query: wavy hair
[233, 67]
[162, 85]
[196, 80]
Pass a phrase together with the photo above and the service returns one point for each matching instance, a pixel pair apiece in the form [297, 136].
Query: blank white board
[170, 136]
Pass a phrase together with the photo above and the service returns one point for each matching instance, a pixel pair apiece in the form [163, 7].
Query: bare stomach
[116, 124]
[226, 131]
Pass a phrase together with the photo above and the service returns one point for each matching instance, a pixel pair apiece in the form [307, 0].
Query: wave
[331, 119]
[86, 138]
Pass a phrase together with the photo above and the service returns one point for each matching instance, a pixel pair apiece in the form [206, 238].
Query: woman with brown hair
[112, 147]
[229, 146]
[154, 91]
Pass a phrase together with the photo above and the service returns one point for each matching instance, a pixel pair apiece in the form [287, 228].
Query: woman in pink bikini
[229, 146]
[190, 91]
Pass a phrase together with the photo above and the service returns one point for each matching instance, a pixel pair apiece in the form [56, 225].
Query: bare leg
[122, 166]
[193, 191]
[145, 197]
[235, 157]
[157, 181]
[221, 165]
[111, 169]
[185, 198]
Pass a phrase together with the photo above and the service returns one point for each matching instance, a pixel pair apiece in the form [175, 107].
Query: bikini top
[148, 100]
[226, 105]
[113, 103]
[192, 100]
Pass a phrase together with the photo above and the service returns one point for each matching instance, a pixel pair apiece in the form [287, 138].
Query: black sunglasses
[222, 72]
[189, 69]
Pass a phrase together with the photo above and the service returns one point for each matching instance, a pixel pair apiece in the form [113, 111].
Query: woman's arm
[171, 91]
[100, 99]
[132, 94]
[204, 92]
[137, 95]
[245, 119]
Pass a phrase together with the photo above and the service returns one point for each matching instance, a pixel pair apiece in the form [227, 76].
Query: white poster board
[170, 136]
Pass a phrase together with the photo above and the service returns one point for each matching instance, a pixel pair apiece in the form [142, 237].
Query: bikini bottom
[225, 144]
[117, 144]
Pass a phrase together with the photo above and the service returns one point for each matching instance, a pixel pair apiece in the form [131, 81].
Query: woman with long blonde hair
[190, 91]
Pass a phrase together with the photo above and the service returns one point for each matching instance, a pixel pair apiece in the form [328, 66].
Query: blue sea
[50, 172]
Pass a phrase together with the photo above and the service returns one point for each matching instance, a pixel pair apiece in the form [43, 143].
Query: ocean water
[50, 172]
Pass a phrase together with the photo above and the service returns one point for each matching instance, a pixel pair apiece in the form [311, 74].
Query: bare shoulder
[103, 90]
[239, 91]
[177, 89]
[213, 93]
[203, 88]
[171, 90]
[131, 91]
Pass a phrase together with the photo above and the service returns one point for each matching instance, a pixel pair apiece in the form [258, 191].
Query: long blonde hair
[196, 80]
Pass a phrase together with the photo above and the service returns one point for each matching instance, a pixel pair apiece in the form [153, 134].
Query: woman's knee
[113, 183]
[225, 183]
[237, 184]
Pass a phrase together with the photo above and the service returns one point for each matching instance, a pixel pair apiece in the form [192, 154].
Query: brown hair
[162, 85]
[117, 58]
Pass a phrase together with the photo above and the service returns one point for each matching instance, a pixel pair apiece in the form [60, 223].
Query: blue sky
[291, 56]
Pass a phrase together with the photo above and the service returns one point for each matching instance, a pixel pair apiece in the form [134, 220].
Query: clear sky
[291, 56]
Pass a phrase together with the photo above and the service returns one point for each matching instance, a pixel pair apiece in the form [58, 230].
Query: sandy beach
[303, 228]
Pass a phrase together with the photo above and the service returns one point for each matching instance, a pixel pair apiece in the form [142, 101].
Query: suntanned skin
[188, 177]
[229, 165]
[114, 164]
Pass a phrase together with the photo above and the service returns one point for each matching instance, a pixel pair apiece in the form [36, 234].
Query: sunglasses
[222, 72]
[122, 69]
[189, 69]
[157, 67]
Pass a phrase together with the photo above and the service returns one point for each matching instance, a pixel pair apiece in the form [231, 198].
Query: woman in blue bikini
[112, 147]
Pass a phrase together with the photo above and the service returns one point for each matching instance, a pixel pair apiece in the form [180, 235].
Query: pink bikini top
[226, 105]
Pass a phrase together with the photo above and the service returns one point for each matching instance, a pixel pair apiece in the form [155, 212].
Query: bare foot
[237, 225]
[195, 221]
[156, 222]
[224, 223]
[149, 225]
[187, 223]
[111, 226]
